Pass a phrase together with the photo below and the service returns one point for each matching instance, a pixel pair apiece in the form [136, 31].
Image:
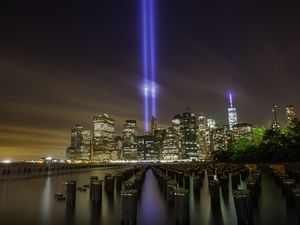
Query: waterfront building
[85, 149]
[202, 134]
[232, 114]
[211, 123]
[147, 148]
[70, 153]
[129, 140]
[159, 136]
[171, 146]
[119, 146]
[153, 125]
[219, 138]
[80, 148]
[104, 148]
[188, 130]
[176, 123]
[242, 130]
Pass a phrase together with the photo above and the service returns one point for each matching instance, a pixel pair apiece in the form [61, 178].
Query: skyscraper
[159, 136]
[85, 150]
[232, 115]
[80, 148]
[201, 134]
[76, 136]
[129, 139]
[176, 123]
[189, 135]
[104, 147]
[119, 146]
[209, 135]
[211, 123]
[153, 125]
[290, 113]
[219, 139]
[242, 130]
[147, 149]
[171, 147]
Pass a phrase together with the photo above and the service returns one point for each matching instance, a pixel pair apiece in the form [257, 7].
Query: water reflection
[270, 207]
[46, 201]
[152, 206]
[95, 214]
[70, 212]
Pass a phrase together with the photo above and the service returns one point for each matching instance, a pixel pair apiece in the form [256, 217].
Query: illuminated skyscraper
[290, 113]
[85, 150]
[119, 146]
[188, 130]
[80, 148]
[219, 139]
[242, 130]
[232, 115]
[209, 135]
[201, 134]
[176, 123]
[129, 139]
[159, 136]
[147, 149]
[153, 125]
[211, 123]
[76, 136]
[171, 147]
[104, 148]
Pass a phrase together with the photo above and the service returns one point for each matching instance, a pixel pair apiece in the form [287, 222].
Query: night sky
[62, 62]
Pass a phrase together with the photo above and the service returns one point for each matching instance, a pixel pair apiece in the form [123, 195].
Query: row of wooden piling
[175, 181]
[128, 182]
[289, 182]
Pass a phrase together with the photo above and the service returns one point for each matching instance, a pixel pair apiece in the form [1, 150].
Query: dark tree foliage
[282, 145]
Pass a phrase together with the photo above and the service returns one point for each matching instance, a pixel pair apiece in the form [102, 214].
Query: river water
[31, 201]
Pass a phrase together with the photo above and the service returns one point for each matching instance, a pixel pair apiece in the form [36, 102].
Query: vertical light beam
[145, 53]
[152, 60]
[149, 85]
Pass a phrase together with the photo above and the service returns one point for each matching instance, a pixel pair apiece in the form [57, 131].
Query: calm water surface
[32, 201]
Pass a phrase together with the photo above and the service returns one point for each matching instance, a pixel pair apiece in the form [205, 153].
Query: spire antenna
[230, 100]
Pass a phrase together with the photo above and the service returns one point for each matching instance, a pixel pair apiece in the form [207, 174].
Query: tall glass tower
[232, 115]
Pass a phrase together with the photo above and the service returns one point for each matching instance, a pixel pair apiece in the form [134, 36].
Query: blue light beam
[149, 84]
[145, 54]
[152, 59]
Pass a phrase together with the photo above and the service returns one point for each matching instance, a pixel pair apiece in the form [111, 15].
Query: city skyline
[76, 61]
[189, 136]
[288, 110]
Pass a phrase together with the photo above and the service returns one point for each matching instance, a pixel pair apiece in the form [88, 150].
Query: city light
[49, 158]
[232, 114]
[7, 161]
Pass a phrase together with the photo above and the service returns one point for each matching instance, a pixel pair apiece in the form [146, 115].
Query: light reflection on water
[46, 202]
[32, 201]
